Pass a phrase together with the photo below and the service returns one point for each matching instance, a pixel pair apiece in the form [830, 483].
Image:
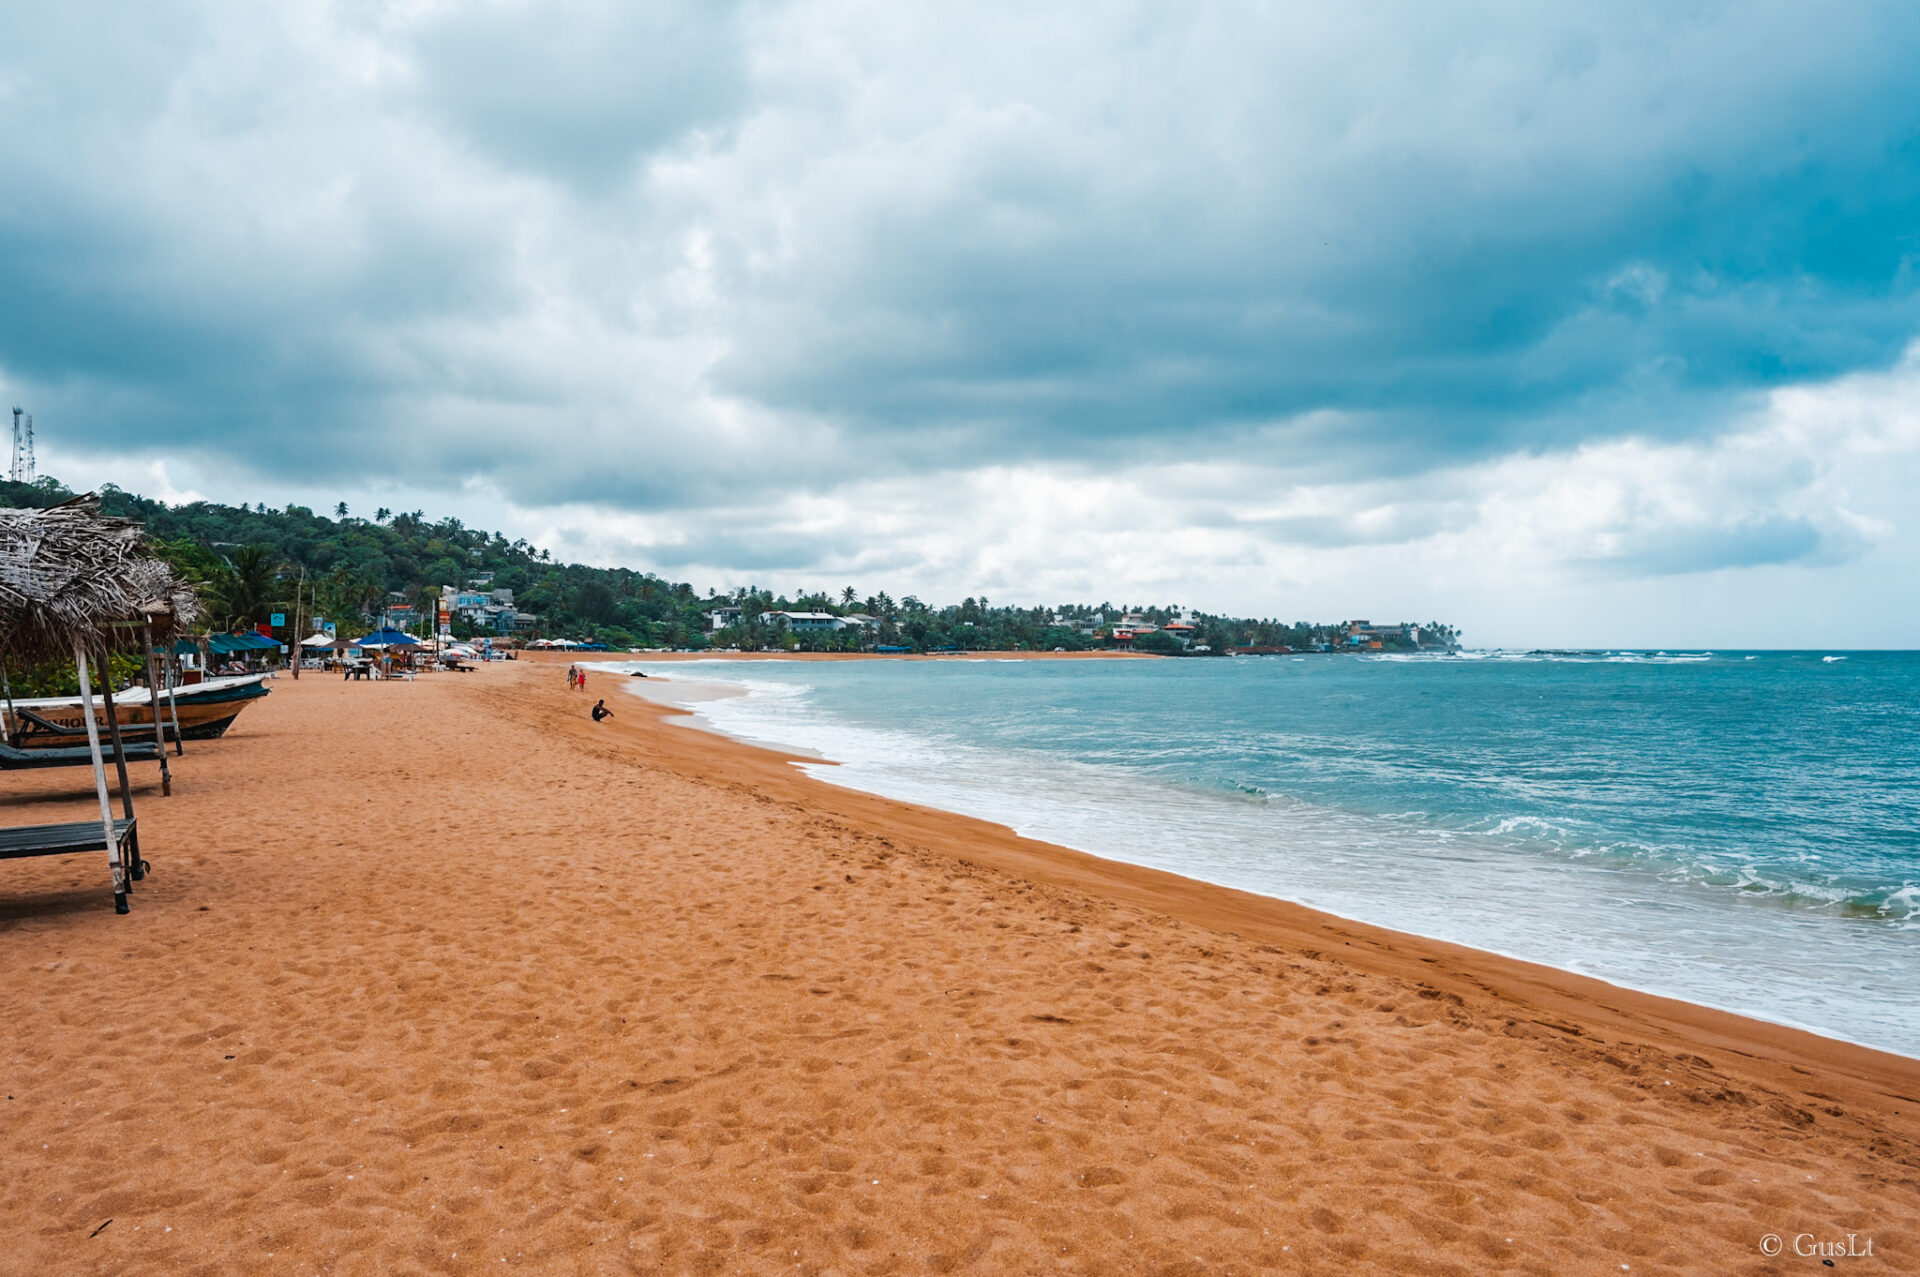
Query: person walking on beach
[572, 673]
[601, 711]
[583, 680]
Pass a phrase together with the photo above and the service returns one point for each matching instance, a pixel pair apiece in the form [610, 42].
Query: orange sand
[437, 975]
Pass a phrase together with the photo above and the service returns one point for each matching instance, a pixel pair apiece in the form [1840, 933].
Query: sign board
[279, 619]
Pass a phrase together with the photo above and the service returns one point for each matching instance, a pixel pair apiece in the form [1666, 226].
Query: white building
[803, 622]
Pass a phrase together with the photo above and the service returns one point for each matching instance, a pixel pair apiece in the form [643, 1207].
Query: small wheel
[120, 904]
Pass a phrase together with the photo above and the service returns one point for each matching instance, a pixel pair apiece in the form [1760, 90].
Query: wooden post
[173, 700]
[7, 683]
[153, 703]
[113, 729]
[294, 652]
[100, 781]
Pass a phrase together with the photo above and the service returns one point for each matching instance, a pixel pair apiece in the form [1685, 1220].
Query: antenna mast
[22, 468]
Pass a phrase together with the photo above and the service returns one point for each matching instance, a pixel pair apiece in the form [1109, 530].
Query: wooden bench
[75, 839]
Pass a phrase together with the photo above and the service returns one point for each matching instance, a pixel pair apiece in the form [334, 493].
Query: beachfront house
[859, 620]
[804, 622]
[491, 610]
[721, 617]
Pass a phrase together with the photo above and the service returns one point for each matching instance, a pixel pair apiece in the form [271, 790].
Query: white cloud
[1812, 486]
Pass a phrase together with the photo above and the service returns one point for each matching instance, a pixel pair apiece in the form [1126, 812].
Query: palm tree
[426, 605]
[340, 511]
[847, 596]
[243, 587]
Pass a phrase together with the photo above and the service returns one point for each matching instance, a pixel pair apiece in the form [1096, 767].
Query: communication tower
[22, 469]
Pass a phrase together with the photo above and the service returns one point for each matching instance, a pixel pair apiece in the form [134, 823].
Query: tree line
[247, 562]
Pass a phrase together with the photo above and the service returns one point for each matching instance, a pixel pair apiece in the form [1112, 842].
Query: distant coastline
[423, 576]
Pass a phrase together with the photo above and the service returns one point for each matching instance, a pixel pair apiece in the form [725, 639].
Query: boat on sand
[205, 710]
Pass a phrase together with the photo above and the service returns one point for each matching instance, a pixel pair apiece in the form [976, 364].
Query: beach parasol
[387, 638]
[68, 572]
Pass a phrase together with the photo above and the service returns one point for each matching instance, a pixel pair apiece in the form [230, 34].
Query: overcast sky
[1570, 324]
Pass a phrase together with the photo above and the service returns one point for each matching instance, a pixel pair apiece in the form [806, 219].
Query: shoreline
[443, 976]
[687, 713]
[1656, 1018]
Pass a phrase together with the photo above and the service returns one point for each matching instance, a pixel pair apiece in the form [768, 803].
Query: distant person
[583, 680]
[601, 711]
[572, 674]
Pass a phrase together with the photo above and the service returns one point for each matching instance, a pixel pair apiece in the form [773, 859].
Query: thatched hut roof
[67, 571]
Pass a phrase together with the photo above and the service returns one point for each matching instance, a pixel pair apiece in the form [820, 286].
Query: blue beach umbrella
[387, 638]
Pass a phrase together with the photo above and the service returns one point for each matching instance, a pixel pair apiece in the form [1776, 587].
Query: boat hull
[205, 711]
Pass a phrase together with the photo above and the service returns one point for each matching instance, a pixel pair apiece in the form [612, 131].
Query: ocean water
[1736, 829]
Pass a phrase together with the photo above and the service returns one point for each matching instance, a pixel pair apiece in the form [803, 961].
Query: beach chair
[77, 839]
[12, 759]
[38, 726]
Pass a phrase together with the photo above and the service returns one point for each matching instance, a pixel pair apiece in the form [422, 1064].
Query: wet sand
[442, 976]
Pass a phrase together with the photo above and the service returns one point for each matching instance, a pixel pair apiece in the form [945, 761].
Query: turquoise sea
[1740, 829]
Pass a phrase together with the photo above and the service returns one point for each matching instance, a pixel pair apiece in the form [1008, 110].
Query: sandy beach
[441, 976]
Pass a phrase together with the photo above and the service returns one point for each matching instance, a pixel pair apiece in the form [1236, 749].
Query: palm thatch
[69, 571]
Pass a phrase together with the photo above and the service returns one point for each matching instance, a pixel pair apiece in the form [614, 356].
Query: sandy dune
[441, 976]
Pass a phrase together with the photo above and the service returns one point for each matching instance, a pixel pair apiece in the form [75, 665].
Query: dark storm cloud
[677, 256]
[585, 93]
[1657, 222]
[1750, 543]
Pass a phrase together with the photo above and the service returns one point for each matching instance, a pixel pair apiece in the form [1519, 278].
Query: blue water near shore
[1737, 829]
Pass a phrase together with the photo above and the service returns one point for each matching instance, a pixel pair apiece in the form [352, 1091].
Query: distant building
[803, 622]
[1373, 637]
[721, 617]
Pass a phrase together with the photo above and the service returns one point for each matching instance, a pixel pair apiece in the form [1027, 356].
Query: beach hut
[76, 583]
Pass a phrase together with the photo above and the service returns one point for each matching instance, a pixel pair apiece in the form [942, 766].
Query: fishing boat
[205, 710]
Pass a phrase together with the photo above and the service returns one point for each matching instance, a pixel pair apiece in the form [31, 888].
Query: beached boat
[205, 711]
